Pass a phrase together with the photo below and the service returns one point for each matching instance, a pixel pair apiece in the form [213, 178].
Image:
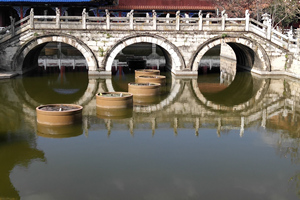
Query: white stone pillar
[247, 20]
[223, 20]
[207, 17]
[84, 18]
[200, 15]
[31, 19]
[269, 30]
[154, 19]
[267, 21]
[12, 25]
[147, 18]
[168, 16]
[178, 20]
[298, 41]
[107, 19]
[57, 19]
[131, 20]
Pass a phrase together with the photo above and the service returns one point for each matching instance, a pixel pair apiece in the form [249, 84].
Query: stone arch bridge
[184, 41]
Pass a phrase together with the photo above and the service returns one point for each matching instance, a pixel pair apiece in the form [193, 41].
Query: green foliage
[101, 51]
[224, 35]
[284, 13]
[108, 35]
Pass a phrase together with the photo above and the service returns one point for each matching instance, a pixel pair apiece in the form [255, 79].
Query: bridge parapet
[153, 23]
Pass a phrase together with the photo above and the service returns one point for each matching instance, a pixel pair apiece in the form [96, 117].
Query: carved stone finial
[247, 13]
[178, 13]
[223, 13]
[84, 11]
[57, 11]
[131, 12]
[154, 13]
[107, 12]
[200, 13]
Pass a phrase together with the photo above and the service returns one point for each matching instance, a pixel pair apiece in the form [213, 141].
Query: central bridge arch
[249, 54]
[29, 51]
[174, 58]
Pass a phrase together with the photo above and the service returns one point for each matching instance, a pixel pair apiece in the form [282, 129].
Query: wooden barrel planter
[146, 72]
[64, 131]
[152, 79]
[114, 100]
[59, 114]
[114, 113]
[144, 89]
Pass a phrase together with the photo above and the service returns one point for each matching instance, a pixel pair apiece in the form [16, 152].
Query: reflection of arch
[234, 91]
[176, 89]
[30, 51]
[89, 94]
[174, 56]
[249, 53]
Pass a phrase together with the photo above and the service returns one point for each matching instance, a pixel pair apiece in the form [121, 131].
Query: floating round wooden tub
[144, 89]
[146, 72]
[59, 114]
[152, 79]
[114, 100]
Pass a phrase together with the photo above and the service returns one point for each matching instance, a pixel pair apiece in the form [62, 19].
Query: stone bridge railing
[155, 23]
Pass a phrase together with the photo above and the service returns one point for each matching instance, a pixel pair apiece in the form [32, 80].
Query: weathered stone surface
[184, 47]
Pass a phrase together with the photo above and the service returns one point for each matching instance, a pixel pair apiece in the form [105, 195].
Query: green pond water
[198, 139]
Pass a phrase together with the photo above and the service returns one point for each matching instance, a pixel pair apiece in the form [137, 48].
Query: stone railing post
[31, 19]
[154, 19]
[200, 20]
[269, 30]
[177, 20]
[83, 18]
[207, 17]
[247, 20]
[107, 19]
[147, 18]
[57, 19]
[298, 41]
[168, 16]
[268, 22]
[131, 20]
[12, 25]
[223, 20]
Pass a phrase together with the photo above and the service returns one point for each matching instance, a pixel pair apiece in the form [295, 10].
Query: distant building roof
[163, 5]
[44, 1]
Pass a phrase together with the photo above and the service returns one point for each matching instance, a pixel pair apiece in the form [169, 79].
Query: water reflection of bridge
[246, 102]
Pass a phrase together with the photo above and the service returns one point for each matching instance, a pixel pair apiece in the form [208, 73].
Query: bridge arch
[249, 54]
[30, 51]
[174, 59]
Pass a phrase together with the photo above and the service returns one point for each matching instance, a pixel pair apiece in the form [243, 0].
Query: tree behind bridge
[283, 12]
